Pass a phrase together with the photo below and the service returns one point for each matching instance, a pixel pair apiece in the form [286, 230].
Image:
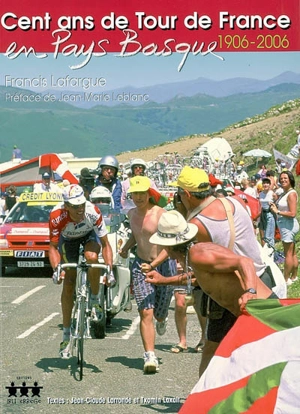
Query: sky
[140, 70]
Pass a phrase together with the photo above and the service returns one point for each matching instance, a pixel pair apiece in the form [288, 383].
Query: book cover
[93, 78]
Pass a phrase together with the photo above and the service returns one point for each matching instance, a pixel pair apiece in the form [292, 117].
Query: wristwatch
[251, 290]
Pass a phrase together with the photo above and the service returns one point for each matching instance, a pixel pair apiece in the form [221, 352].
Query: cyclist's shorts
[149, 296]
[69, 248]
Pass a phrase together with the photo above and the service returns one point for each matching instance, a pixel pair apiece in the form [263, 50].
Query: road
[113, 382]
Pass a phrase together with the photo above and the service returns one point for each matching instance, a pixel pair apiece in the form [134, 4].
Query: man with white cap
[46, 185]
[227, 278]
[76, 221]
[152, 301]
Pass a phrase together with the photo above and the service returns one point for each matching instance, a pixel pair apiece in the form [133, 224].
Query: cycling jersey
[60, 223]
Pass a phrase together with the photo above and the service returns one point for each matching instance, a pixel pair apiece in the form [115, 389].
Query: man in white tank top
[209, 215]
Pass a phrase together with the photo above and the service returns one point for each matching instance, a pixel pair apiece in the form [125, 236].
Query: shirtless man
[151, 300]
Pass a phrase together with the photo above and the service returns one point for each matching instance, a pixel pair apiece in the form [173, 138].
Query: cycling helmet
[101, 195]
[138, 161]
[109, 161]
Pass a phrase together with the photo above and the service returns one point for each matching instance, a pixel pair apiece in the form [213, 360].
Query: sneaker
[289, 282]
[190, 310]
[97, 313]
[161, 327]
[64, 350]
[150, 363]
[294, 279]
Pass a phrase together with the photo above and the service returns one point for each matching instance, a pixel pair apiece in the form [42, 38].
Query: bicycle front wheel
[81, 331]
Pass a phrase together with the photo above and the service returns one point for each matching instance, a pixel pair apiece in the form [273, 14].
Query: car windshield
[29, 213]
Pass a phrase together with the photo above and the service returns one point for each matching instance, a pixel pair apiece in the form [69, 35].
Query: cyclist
[108, 168]
[77, 221]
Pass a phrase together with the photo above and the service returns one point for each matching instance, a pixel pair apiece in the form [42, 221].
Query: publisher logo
[24, 393]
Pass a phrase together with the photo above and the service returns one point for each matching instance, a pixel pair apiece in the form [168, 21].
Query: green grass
[294, 289]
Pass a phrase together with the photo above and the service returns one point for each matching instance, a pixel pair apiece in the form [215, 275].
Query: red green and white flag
[256, 368]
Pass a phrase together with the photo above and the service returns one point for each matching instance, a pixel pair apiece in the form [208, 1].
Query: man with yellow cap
[152, 301]
[228, 225]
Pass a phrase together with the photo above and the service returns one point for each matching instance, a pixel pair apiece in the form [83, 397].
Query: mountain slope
[37, 126]
[274, 129]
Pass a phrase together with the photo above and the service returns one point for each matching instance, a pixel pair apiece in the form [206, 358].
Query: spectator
[220, 192]
[213, 222]
[3, 212]
[298, 140]
[248, 188]
[267, 221]
[46, 185]
[258, 183]
[271, 175]
[252, 185]
[137, 167]
[11, 198]
[286, 210]
[108, 168]
[240, 173]
[263, 171]
[211, 264]
[151, 300]
[229, 191]
[17, 153]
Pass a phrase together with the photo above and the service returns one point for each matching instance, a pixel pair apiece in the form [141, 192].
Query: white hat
[101, 194]
[173, 229]
[73, 194]
[229, 189]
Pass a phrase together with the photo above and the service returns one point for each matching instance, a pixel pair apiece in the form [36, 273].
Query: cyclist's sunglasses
[76, 207]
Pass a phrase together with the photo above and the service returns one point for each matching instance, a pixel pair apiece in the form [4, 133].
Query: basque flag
[256, 368]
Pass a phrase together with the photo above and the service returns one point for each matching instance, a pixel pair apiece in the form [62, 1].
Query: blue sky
[143, 70]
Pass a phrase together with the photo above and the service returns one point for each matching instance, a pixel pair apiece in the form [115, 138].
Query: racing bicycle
[81, 313]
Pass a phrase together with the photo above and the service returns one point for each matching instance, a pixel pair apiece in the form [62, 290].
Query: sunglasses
[180, 191]
[76, 207]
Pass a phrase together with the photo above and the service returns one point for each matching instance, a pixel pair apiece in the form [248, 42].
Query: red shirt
[60, 223]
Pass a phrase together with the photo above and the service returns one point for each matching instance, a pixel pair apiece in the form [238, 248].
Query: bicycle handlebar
[93, 265]
[84, 265]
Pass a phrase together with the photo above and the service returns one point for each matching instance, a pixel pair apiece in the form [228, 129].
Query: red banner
[95, 28]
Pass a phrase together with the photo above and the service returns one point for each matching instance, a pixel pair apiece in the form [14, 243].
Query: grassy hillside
[272, 129]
